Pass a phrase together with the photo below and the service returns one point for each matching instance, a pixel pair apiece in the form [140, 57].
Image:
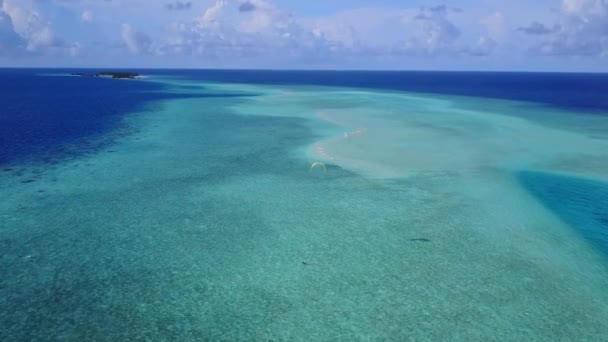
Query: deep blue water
[40, 116]
[581, 203]
[44, 118]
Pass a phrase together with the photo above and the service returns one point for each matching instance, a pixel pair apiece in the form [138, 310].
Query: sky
[515, 35]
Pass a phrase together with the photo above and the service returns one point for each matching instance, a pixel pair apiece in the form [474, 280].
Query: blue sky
[541, 35]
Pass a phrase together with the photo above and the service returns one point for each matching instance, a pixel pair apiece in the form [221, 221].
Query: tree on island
[113, 74]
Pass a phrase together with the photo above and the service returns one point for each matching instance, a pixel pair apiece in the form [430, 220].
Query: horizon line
[308, 70]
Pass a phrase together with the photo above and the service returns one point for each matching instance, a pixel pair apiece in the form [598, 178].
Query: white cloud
[75, 49]
[253, 30]
[584, 7]
[494, 25]
[136, 42]
[582, 30]
[87, 16]
[229, 30]
[485, 46]
[31, 27]
[260, 33]
[10, 41]
[260, 17]
[434, 31]
[364, 28]
[403, 32]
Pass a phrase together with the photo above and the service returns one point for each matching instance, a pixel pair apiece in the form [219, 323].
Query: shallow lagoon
[204, 223]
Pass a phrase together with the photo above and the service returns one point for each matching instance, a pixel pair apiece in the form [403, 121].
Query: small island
[112, 74]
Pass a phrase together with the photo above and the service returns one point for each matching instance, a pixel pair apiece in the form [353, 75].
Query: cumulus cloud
[485, 46]
[74, 49]
[494, 25]
[137, 42]
[582, 30]
[383, 32]
[226, 30]
[254, 28]
[250, 31]
[32, 28]
[10, 41]
[436, 32]
[87, 16]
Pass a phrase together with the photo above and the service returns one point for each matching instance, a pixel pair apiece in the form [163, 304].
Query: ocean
[183, 206]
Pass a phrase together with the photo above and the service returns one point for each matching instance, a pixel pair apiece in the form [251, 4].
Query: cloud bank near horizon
[563, 35]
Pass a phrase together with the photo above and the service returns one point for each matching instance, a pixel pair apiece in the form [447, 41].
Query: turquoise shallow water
[438, 219]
